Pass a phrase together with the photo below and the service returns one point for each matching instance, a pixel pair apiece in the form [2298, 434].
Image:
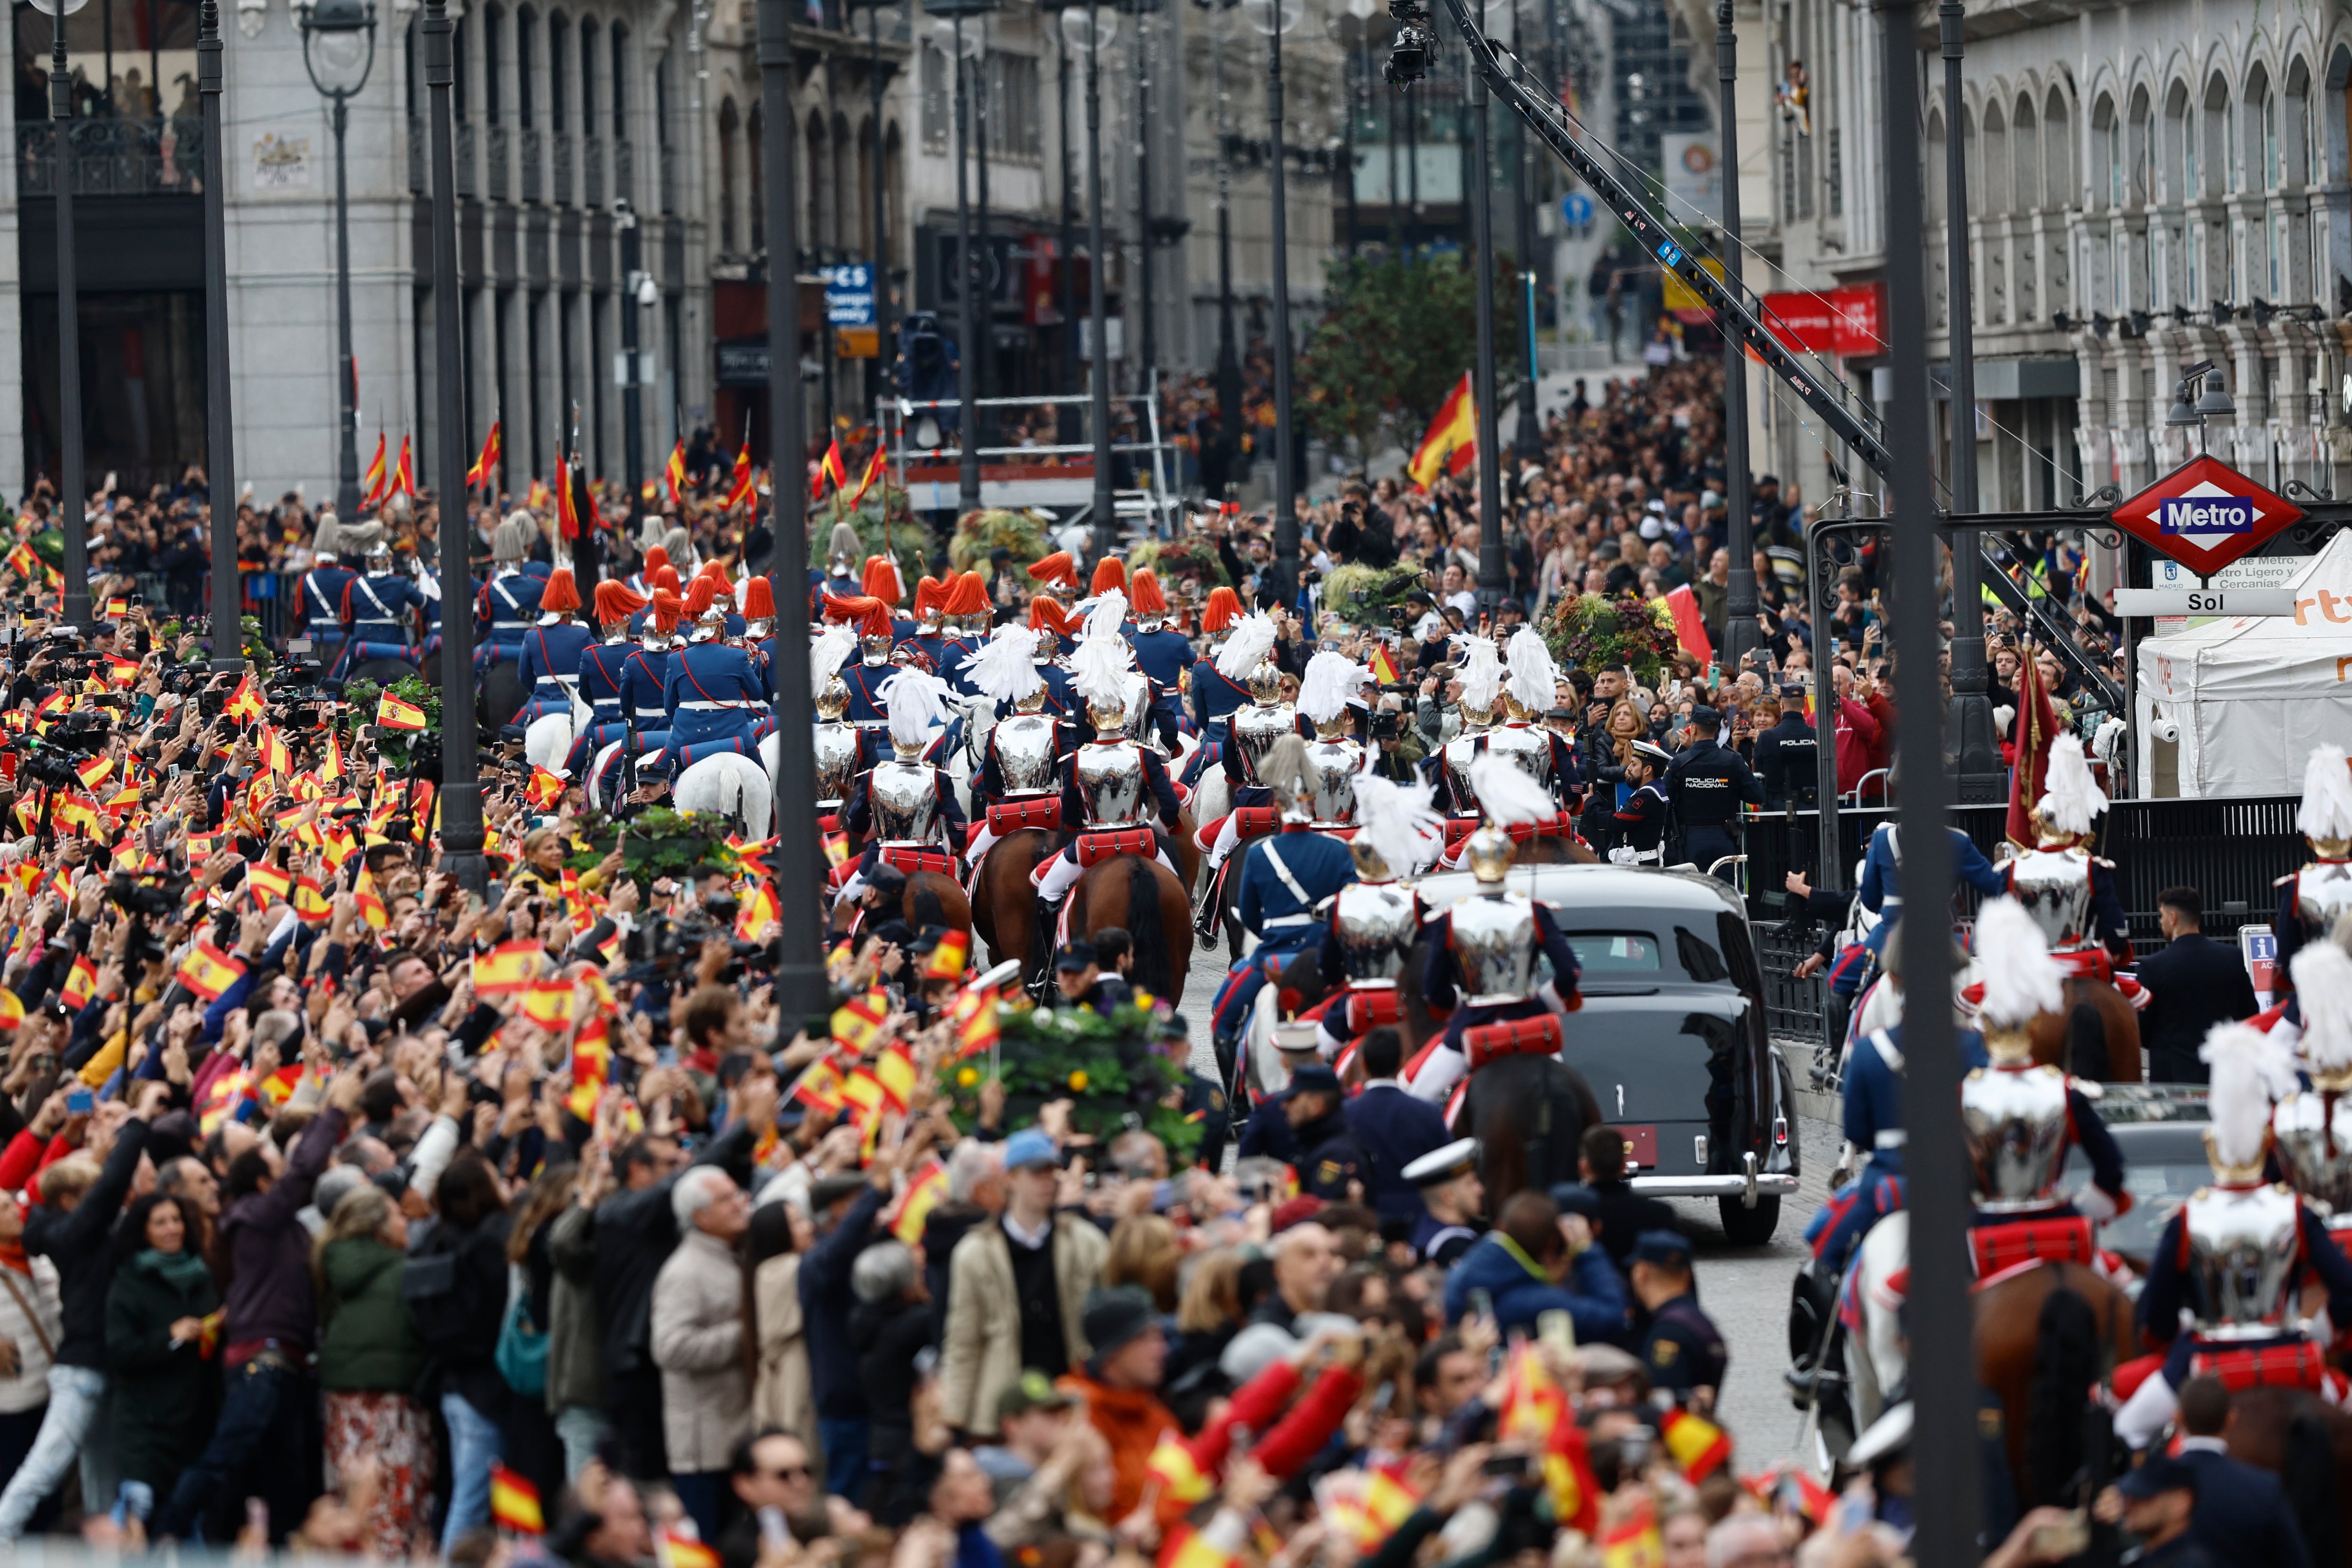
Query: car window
[1704, 964]
[1604, 953]
[2158, 1192]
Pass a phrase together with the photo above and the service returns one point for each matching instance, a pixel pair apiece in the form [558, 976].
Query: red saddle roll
[1520, 1037]
[1256, 822]
[1010, 816]
[2065, 1239]
[1557, 826]
[1096, 848]
[1458, 828]
[1374, 1009]
[828, 822]
[2299, 1365]
[913, 857]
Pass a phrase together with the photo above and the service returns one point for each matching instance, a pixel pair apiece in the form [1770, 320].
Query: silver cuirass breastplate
[906, 803]
[2014, 1124]
[2054, 886]
[2322, 890]
[1111, 783]
[1331, 770]
[1138, 704]
[836, 762]
[2312, 1132]
[1528, 749]
[1494, 938]
[1459, 753]
[2242, 1247]
[1255, 727]
[1025, 753]
[1374, 922]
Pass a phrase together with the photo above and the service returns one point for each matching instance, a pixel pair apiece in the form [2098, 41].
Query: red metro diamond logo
[2205, 514]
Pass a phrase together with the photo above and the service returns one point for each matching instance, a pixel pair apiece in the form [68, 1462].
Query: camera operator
[1396, 742]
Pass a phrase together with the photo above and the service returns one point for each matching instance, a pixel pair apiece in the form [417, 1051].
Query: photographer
[1397, 748]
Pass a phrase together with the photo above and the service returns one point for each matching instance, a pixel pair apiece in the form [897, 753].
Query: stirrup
[1204, 924]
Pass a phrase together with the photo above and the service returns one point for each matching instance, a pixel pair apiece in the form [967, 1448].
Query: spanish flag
[25, 564]
[514, 1500]
[1452, 443]
[377, 478]
[591, 1066]
[268, 883]
[208, 971]
[544, 789]
[974, 1015]
[1199, 1552]
[948, 960]
[1697, 1446]
[506, 969]
[1535, 1411]
[857, 1022]
[738, 483]
[370, 902]
[549, 1004]
[392, 714]
[310, 904]
[82, 985]
[925, 1192]
[331, 768]
[674, 472]
[12, 1011]
[876, 466]
[1633, 1541]
[404, 477]
[819, 1086]
[484, 469]
[244, 703]
[222, 1098]
[93, 773]
[1171, 1464]
[894, 1069]
[1385, 669]
[759, 912]
[830, 469]
[676, 1550]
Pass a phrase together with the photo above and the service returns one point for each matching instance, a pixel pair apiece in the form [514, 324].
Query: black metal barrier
[2231, 851]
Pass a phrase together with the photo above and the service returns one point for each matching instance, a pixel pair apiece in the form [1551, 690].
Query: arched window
[526, 61]
[819, 199]
[559, 65]
[2179, 146]
[2139, 155]
[587, 77]
[1938, 183]
[727, 128]
[1996, 161]
[2059, 170]
[2261, 167]
[619, 60]
[755, 146]
[843, 236]
[2219, 142]
[2107, 138]
[493, 21]
[2025, 156]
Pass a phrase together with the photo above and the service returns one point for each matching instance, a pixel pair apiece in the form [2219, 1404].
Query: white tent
[2234, 706]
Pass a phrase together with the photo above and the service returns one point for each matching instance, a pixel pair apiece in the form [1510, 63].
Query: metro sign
[2205, 514]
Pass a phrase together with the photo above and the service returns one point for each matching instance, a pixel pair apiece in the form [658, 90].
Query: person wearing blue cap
[1706, 786]
[2158, 1503]
[1682, 1350]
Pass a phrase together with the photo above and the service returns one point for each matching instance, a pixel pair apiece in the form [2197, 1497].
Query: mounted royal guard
[2311, 1129]
[552, 650]
[1020, 780]
[2236, 1256]
[843, 556]
[1481, 968]
[715, 699]
[905, 808]
[645, 673]
[2313, 896]
[2069, 892]
[841, 747]
[1054, 627]
[320, 600]
[1165, 656]
[1327, 694]
[1250, 731]
[509, 603]
[1480, 680]
[1112, 783]
[601, 667]
[867, 676]
[381, 610]
[1057, 577]
[640, 582]
[1373, 920]
[1529, 689]
[1216, 694]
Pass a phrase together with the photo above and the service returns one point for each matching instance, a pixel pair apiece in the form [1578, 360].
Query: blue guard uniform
[645, 703]
[1284, 878]
[320, 603]
[505, 610]
[550, 665]
[601, 667]
[717, 702]
[1215, 697]
[1164, 654]
[376, 614]
[1873, 1124]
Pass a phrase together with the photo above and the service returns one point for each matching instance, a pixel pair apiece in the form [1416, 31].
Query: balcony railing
[468, 181]
[113, 157]
[534, 181]
[498, 181]
[591, 171]
[559, 192]
[625, 170]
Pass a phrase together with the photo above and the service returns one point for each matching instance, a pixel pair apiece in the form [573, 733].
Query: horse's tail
[2086, 1043]
[2308, 1473]
[2067, 1364]
[1147, 937]
[923, 904]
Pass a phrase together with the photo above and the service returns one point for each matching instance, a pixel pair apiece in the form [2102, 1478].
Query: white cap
[1458, 1158]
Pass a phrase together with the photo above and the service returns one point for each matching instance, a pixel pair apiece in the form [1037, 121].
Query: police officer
[1306, 1127]
[1682, 1350]
[1788, 755]
[1639, 824]
[1705, 786]
[1078, 974]
[1450, 1198]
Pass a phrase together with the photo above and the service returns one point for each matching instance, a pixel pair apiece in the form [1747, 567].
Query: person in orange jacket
[1120, 1386]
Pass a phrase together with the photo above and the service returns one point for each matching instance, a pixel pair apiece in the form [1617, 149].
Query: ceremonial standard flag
[514, 1500]
[830, 469]
[1690, 627]
[484, 469]
[876, 466]
[924, 1192]
[2037, 726]
[508, 968]
[208, 971]
[404, 477]
[567, 504]
[378, 478]
[392, 714]
[738, 483]
[1452, 442]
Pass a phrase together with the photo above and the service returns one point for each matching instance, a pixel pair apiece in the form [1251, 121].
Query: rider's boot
[1204, 918]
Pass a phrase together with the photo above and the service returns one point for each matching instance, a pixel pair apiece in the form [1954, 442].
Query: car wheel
[1745, 1226]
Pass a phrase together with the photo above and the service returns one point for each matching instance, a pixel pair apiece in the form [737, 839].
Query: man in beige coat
[1017, 1289]
[701, 1342]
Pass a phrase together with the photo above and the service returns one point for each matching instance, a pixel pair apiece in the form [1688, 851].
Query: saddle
[1007, 817]
[1994, 1248]
[1519, 1037]
[1254, 822]
[2302, 1364]
[913, 857]
[1094, 849]
[1374, 1009]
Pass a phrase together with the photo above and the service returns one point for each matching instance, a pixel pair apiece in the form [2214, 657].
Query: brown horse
[2095, 1035]
[930, 900]
[2308, 1442]
[1143, 897]
[1004, 901]
[2044, 1339]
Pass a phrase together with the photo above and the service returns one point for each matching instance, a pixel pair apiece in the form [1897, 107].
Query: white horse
[729, 785]
[963, 764]
[606, 771]
[547, 740]
[1877, 1360]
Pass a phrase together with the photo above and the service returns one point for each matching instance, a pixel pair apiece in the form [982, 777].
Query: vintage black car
[1670, 1036]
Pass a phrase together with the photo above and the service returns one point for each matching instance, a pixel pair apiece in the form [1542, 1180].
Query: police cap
[1315, 1078]
[1707, 719]
[1666, 1248]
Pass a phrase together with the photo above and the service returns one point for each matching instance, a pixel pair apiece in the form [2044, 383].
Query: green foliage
[50, 546]
[1362, 596]
[978, 534]
[1110, 1068]
[908, 536]
[659, 842]
[1187, 557]
[1393, 340]
[401, 748]
[1592, 631]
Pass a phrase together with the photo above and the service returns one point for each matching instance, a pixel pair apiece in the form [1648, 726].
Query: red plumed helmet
[665, 606]
[930, 597]
[716, 570]
[967, 596]
[667, 577]
[1059, 570]
[614, 601]
[656, 557]
[1109, 573]
[701, 596]
[1145, 595]
[1047, 616]
[759, 601]
[882, 580]
[560, 596]
[1224, 608]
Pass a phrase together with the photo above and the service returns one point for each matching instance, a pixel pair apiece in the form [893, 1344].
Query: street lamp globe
[1269, 16]
[51, 8]
[1090, 26]
[337, 45]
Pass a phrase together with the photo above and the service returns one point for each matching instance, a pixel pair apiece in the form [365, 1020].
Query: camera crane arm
[1508, 79]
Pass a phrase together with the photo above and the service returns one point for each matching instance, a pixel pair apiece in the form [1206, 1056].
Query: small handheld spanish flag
[1385, 669]
[506, 969]
[759, 912]
[244, 703]
[549, 1004]
[514, 1502]
[974, 1017]
[266, 883]
[392, 714]
[208, 971]
[857, 1022]
[82, 985]
[544, 789]
[948, 959]
[677, 1551]
[1697, 1446]
[925, 1190]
